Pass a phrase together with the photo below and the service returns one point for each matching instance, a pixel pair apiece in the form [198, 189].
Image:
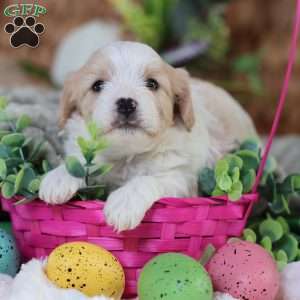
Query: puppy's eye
[98, 86]
[152, 84]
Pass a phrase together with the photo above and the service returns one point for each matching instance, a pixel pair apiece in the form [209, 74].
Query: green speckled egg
[174, 276]
[9, 254]
[86, 267]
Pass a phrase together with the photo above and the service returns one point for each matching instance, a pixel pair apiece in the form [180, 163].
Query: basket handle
[283, 96]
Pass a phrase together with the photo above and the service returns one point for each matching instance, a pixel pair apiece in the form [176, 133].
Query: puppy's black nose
[126, 106]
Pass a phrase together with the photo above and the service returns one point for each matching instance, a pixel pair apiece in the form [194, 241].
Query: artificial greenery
[235, 174]
[22, 163]
[276, 236]
[89, 170]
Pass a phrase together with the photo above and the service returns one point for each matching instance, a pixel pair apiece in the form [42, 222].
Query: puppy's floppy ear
[69, 98]
[183, 100]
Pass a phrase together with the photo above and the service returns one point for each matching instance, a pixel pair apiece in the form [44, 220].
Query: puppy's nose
[126, 106]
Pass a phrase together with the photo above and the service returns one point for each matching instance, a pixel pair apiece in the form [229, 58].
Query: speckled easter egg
[244, 270]
[86, 267]
[9, 254]
[174, 276]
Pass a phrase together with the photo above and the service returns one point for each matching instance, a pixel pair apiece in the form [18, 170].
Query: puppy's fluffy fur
[183, 126]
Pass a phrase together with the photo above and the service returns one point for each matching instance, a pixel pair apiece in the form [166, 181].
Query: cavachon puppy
[162, 127]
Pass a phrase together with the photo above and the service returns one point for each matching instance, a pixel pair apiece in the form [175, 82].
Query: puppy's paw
[58, 186]
[124, 210]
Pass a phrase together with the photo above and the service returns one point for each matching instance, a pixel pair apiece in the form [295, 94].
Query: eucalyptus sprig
[89, 169]
[235, 174]
[277, 237]
[22, 164]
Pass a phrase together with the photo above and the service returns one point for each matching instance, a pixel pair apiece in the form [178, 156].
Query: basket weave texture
[184, 225]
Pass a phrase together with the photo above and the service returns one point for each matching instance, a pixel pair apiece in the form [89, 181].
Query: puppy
[162, 126]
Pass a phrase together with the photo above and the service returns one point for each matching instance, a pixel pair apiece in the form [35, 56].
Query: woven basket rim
[174, 201]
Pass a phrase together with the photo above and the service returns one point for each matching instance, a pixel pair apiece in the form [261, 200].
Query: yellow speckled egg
[86, 267]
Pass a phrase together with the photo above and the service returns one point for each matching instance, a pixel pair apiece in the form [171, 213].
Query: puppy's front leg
[58, 186]
[127, 206]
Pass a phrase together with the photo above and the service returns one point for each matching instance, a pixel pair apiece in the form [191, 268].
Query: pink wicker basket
[172, 224]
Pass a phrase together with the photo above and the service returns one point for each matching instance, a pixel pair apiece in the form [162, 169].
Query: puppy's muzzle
[126, 107]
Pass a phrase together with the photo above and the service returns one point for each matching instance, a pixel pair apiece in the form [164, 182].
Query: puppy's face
[131, 93]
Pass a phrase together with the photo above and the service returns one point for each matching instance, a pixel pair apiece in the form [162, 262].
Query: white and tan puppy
[162, 127]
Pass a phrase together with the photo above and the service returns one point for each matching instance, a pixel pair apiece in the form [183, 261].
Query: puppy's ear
[183, 100]
[69, 98]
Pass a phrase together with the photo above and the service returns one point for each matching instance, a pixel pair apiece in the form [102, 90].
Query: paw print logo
[24, 32]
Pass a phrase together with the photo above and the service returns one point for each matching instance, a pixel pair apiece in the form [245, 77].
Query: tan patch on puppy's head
[77, 94]
[183, 106]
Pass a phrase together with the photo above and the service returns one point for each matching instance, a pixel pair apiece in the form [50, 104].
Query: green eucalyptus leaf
[249, 235]
[87, 149]
[5, 151]
[7, 190]
[235, 175]
[3, 169]
[284, 224]
[83, 144]
[281, 255]
[233, 161]
[222, 166]
[101, 171]
[289, 244]
[19, 180]
[296, 181]
[236, 191]
[13, 140]
[250, 159]
[13, 162]
[218, 192]
[3, 133]
[224, 182]
[23, 122]
[279, 204]
[36, 150]
[252, 144]
[93, 130]
[46, 166]
[272, 229]
[207, 181]
[74, 167]
[287, 186]
[248, 180]
[100, 145]
[23, 179]
[266, 242]
[34, 185]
